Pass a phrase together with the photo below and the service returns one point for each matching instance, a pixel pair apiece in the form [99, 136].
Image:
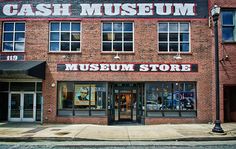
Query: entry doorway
[230, 103]
[3, 106]
[125, 103]
[22, 107]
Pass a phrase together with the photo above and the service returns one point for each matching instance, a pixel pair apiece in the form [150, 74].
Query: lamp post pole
[215, 14]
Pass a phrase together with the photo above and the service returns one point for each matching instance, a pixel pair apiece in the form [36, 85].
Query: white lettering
[163, 9]
[93, 9]
[112, 9]
[128, 9]
[115, 67]
[43, 10]
[186, 67]
[164, 67]
[10, 10]
[174, 67]
[84, 67]
[143, 67]
[104, 67]
[94, 67]
[26, 10]
[184, 9]
[145, 9]
[71, 67]
[127, 67]
[154, 67]
[61, 9]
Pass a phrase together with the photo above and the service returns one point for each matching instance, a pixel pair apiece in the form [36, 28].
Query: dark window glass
[75, 46]
[8, 26]
[184, 47]
[54, 36]
[128, 37]
[19, 37]
[65, 36]
[184, 37]
[4, 86]
[7, 46]
[128, 27]
[117, 37]
[128, 46]
[228, 33]
[163, 36]
[65, 95]
[107, 47]
[39, 86]
[65, 46]
[173, 37]
[117, 46]
[20, 27]
[173, 47]
[163, 47]
[65, 26]
[55, 26]
[227, 17]
[8, 36]
[54, 46]
[75, 36]
[75, 27]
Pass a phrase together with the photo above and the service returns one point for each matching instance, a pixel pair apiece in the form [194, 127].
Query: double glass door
[22, 106]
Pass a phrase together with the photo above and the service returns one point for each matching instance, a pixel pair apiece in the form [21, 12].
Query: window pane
[66, 95]
[117, 37]
[184, 47]
[54, 46]
[19, 86]
[100, 96]
[117, 26]
[173, 27]
[184, 27]
[8, 36]
[173, 47]
[20, 27]
[163, 27]
[107, 47]
[227, 17]
[65, 46]
[65, 36]
[163, 36]
[128, 46]
[107, 36]
[75, 26]
[128, 37]
[75, 46]
[75, 36]
[228, 33]
[167, 95]
[19, 46]
[173, 37]
[54, 26]
[54, 36]
[19, 36]
[65, 26]
[184, 37]
[117, 47]
[163, 47]
[8, 26]
[128, 26]
[7, 46]
[106, 26]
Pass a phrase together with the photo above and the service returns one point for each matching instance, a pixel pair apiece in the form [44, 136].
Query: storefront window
[81, 99]
[171, 96]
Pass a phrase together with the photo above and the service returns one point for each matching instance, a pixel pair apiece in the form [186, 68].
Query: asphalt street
[120, 145]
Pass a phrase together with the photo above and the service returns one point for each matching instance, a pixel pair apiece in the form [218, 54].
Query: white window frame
[112, 42]
[70, 41]
[14, 33]
[178, 42]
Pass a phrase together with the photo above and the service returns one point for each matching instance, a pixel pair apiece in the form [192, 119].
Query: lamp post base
[217, 128]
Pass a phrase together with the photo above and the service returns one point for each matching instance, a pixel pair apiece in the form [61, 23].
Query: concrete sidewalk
[79, 132]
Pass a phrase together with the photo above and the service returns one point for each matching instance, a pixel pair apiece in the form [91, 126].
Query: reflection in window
[174, 37]
[13, 37]
[65, 37]
[117, 36]
[228, 26]
[171, 96]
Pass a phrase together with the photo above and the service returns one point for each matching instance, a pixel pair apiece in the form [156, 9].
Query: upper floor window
[228, 26]
[174, 37]
[13, 37]
[65, 37]
[117, 37]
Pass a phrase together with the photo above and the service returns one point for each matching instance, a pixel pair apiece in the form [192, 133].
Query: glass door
[14, 107]
[22, 107]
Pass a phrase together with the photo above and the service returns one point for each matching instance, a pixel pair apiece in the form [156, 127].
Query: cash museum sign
[105, 67]
[104, 9]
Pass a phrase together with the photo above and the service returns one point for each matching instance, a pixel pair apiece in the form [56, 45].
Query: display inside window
[117, 36]
[65, 37]
[174, 37]
[81, 96]
[171, 96]
[13, 37]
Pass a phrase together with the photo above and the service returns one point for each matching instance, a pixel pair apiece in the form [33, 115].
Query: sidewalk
[79, 132]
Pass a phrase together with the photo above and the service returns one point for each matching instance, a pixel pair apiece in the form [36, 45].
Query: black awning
[22, 69]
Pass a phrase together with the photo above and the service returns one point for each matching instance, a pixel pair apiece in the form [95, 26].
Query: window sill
[79, 52]
[117, 52]
[174, 53]
[229, 42]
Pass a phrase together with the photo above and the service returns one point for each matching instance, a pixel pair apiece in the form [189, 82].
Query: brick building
[100, 62]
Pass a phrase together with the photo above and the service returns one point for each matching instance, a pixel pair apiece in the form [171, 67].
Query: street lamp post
[215, 12]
